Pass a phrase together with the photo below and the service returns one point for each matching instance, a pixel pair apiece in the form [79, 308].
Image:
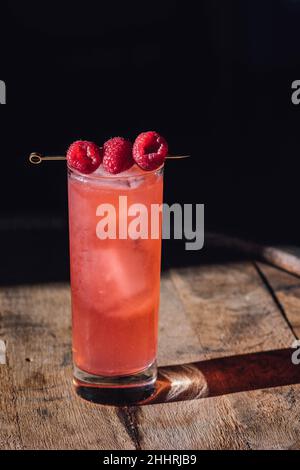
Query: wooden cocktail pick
[37, 158]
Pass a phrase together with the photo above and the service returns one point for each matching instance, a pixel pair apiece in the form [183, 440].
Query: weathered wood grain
[262, 419]
[230, 309]
[178, 341]
[207, 313]
[232, 312]
[39, 409]
[286, 288]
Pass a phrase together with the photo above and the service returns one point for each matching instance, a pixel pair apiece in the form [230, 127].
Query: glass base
[119, 390]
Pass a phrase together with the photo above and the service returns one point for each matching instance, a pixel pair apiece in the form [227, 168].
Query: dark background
[214, 77]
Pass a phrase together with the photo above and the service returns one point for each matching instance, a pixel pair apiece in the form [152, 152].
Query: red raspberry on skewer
[117, 155]
[84, 156]
[150, 150]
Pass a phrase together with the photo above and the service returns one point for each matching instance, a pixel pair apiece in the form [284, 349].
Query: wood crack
[128, 415]
[17, 416]
[277, 302]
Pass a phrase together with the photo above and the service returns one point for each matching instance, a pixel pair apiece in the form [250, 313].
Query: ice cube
[123, 272]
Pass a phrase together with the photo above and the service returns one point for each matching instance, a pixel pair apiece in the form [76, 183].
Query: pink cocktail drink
[115, 281]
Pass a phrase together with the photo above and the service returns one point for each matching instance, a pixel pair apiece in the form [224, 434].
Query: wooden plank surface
[286, 289]
[208, 313]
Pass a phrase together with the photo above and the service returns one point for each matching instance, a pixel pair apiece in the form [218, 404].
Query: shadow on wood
[225, 375]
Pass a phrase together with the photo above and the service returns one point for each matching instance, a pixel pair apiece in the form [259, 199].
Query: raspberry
[117, 155]
[84, 156]
[150, 150]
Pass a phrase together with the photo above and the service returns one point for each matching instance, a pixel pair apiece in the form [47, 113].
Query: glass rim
[115, 177]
